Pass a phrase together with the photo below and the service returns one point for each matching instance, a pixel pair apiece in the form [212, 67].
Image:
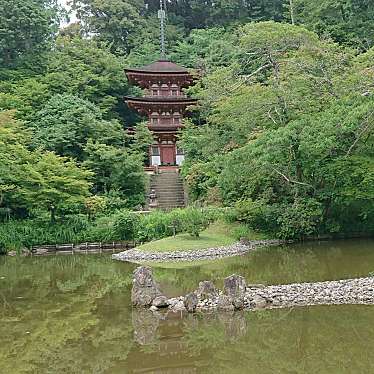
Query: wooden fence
[83, 248]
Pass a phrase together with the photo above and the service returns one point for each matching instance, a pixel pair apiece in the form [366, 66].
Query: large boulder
[206, 290]
[234, 288]
[190, 302]
[144, 289]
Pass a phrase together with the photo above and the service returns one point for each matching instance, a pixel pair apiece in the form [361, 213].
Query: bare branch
[289, 180]
[362, 132]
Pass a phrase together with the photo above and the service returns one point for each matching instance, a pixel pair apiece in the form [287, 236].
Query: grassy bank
[218, 234]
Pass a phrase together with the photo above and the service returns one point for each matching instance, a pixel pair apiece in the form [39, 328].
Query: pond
[72, 314]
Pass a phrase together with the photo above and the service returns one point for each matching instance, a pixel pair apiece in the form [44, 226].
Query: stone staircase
[169, 190]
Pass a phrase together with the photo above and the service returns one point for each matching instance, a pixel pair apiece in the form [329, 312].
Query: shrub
[94, 205]
[257, 214]
[155, 225]
[300, 219]
[242, 231]
[3, 248]
[194, 221]
[101, 230]
[126, 225]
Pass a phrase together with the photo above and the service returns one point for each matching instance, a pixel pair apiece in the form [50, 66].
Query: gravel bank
[347, 291]
[238, 295]
[136, 255]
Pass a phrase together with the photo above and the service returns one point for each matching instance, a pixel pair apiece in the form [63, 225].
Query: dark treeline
[285, 102]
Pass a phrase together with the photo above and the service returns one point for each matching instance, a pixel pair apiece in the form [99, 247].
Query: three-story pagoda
[164, 104]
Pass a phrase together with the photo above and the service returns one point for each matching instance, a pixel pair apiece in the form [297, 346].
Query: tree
[111, 21]
[75, 66]
[39, 180]
[26, 28]
[87, 69]
[116, 170]
[288, 117]
[15, 161]
[55, 182]
[141, 140]
[346, 21]
[66, 123]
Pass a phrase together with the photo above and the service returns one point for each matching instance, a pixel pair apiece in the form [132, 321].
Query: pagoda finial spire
[162, 16]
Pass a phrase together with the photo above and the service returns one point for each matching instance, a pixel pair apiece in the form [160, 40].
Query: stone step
[159, 184]
[169, 190]
[170, 195]
[165, 189]
[163, 183]
[169, 201]
[166, 178]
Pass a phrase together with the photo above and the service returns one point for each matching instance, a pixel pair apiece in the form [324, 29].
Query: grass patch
[218, 234]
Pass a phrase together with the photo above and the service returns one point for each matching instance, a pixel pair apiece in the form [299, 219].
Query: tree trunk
[292, 12]
[53, 214]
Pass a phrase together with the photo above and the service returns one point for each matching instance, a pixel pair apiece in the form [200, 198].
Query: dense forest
[283, 132]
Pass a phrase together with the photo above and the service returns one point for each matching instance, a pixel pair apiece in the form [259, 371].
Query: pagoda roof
[161, 99]
[161, 67]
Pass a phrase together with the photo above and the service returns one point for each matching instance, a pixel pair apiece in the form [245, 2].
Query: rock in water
[190, 302]
[178, 307]
[144, 289]
[206, 290]
[235, 288]
[224, 303]
[258, 302]
[160, 302]
[238, 303]
[245, 241]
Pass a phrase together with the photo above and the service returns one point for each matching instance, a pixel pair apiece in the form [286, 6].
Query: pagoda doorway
[167, 154]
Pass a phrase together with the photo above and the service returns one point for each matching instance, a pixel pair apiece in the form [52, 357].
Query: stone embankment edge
[236, 249]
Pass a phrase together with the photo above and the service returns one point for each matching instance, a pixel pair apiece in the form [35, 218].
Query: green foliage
[66, 123]
[26, 28]
[84, 68]
[36, 180]
[94, 205]
[346, 21]
[156, 225]
[141, 140]
[289, 134]
[126, 225]
[299, 220]
[112, 21]
[55, 183]
[116, 170]
[256, 214]
[193, 221]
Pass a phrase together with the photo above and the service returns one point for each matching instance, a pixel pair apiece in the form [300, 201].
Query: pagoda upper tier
[159, 72]
[163, 83]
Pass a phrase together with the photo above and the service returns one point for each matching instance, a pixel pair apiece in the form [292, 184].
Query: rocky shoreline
[239, 248]
[238, 295]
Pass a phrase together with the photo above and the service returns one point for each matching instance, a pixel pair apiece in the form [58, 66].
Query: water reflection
[73, 315]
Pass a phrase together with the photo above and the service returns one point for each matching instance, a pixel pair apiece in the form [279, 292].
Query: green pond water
[72, 314]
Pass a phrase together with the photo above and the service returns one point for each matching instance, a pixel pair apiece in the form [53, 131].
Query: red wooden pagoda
[165, 104]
